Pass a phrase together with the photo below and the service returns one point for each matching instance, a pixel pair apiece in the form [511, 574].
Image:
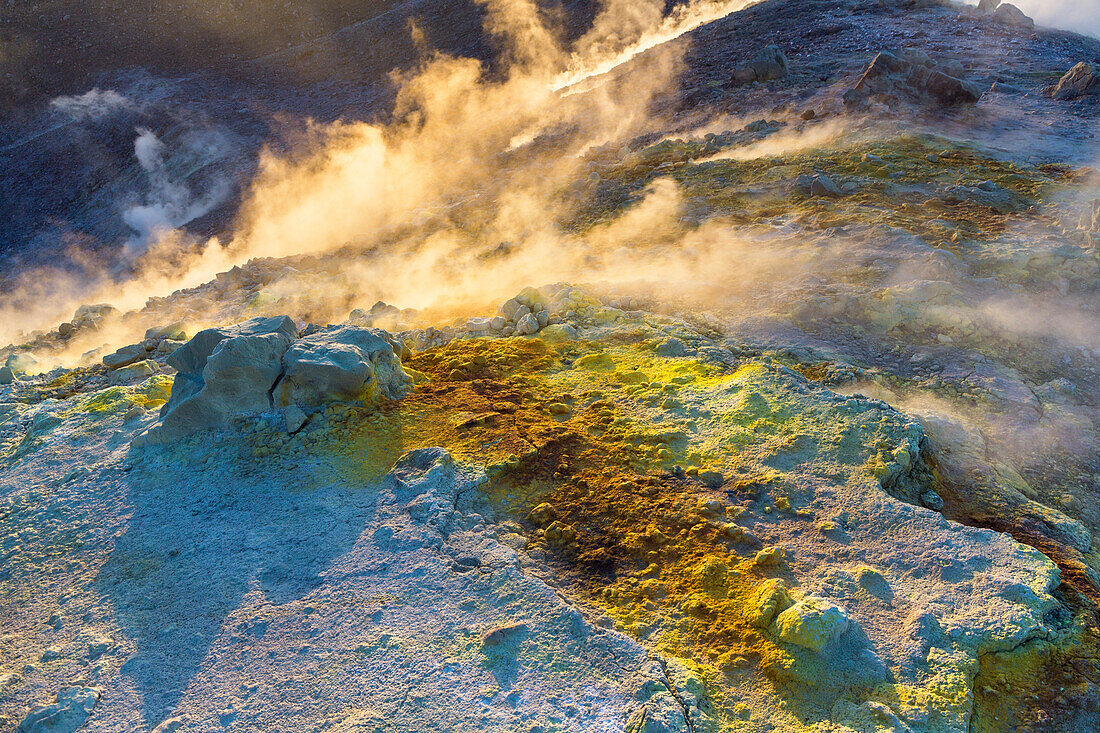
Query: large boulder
[224, 372]
[342, 363]
[1009, 14]
[913, 77]
[769, 63]
[1081, 80]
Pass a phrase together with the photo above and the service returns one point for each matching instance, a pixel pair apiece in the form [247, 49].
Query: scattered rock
[64, 716]
[175, 331]
[527, 325]
[479, 325]
[558, 332]
[712, 479]
[295, 418]
[513, 310]
[98, 646]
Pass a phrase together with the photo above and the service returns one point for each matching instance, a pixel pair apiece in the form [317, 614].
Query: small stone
[712, 479]
[125, 356]
[770, 557]
[65, 330]
[131, 372]
[559, 408]
[295, 418]
[932, 158]
[822, 185]
[513, 310]
[478, 325]
[543, 317]
[98, 646]
[497, 323]
[932, 500]
[527, 325]
[808, 114]
[672, 348]
[134, 413]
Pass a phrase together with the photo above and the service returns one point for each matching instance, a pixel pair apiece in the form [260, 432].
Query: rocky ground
[795, 426]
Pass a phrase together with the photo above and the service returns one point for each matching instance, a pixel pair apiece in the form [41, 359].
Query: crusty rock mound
[261, 365]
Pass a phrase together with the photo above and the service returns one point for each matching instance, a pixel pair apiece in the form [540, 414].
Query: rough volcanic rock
[341, 363]
[1083, 79]
[1009, 14]
[910, 78]
[63, 716]
[768, 64]
[224, 372]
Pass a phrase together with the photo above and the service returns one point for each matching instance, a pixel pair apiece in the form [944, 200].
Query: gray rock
[672, 347]
[224, 372]
[295, 418]
[132, 372]
[478, 325]
[497, 323]
[543, 317]
[342, 363]
[64, 716]
[7, 376]
[125, 356]
[513, 310]
[769, 63]
[21, 362]
[932, 500]
[527, 325]
[176, 331]
[1083, 79]
[988, 6]
[1009, 14]
[891, 75]
[65, 330]
[822, 185]
[712, 479]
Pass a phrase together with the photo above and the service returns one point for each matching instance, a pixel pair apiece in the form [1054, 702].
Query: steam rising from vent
[93, 105]
[469, 162]
[169, 203]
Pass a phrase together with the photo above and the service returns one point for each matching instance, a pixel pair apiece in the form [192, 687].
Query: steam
[169, 203]
[92, 105]
[1081, 16]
